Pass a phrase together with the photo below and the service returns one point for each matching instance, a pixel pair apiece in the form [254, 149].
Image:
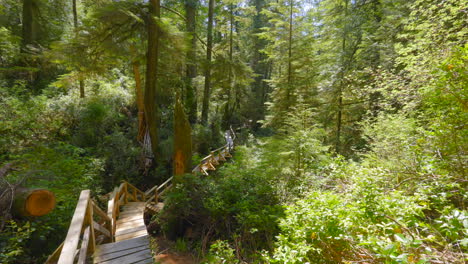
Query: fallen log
[33, 202]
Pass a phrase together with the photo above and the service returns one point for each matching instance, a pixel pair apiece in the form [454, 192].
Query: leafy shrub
[238, 205]
[13, 241]
[221, 253]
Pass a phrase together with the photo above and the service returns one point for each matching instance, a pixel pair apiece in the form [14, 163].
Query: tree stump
[33, 202]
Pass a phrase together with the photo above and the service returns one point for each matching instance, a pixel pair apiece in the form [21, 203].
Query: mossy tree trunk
[209, 47]
[182, 142]
[151, 97]
[30, 26]
[75, 24]
[191, 68]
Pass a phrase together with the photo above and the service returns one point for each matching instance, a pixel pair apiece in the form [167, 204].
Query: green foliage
[9, 44]
[221, 253]
[181, 245]
[27, 120]
[370, 222]
[237, 204]
[13, 240]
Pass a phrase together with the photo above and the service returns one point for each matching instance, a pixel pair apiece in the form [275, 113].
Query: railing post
[76, 227]
[92, 238]
[125, 193]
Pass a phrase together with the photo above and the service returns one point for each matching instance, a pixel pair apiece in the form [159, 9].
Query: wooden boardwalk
[134, 250]
[119, 235]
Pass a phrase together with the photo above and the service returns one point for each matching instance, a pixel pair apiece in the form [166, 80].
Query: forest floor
[165, 252]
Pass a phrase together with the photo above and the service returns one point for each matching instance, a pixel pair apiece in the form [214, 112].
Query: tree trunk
[228, 110]
[289, 86]
[30, 29]
[75, 14]
[82, 88]
[209, 47]
[140, 102]
[259, 66]
[75, 24]
[33, 202]
[182, 141]
[191, 71]
[341, 85]
[151, 103]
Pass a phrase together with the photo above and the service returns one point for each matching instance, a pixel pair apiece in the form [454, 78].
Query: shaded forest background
[351, 118]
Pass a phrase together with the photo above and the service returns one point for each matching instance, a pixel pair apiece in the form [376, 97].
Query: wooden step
[155, 208]
[130, 223]
[134, 250]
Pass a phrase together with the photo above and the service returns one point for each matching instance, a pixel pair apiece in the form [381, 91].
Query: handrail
[82, 226]
[154, 193]
[220, 154]
[120, 196]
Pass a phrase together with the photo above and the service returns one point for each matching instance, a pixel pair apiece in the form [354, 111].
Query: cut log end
[40, 202]
[37, 202]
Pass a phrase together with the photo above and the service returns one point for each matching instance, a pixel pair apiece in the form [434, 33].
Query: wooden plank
[128, 218]
[133, 207]
[100, 212]
[134, 204]
[155, 207]
[132, 211]
[214, 161]
[123, 231]
[135, 189]
[164, 184]
[151, 190]
[211, 166]
[123, 199]
[122, 245]
[131, 235]
[90, 221]
[101, 229]
[145, 261]
[131, 224]
[131, 258]
[221, 157]
[117, 254]
[84, 246]
[74, 232]
[126, 215]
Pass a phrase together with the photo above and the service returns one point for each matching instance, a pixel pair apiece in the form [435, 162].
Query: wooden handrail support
[120, 196]
[154, 193]
[82, 227]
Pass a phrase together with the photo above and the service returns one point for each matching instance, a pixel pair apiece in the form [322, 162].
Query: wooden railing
[120, 196]
[209, 162]
[154, 194]
[83, 227]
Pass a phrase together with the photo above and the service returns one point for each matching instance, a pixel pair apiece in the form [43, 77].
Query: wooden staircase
[135, 250]
[132, 245]
[120, 235]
